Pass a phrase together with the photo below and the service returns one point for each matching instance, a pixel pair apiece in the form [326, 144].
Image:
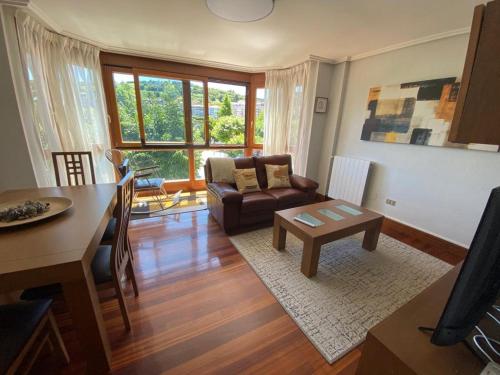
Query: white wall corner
[332, 126]
[45, 18]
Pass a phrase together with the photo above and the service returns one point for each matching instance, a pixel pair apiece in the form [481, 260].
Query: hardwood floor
[201, 310]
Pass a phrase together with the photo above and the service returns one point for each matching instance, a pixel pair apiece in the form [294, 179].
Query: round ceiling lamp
[241, 10]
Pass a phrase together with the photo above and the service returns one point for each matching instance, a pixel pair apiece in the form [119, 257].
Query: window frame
[257, 81]
[220, 146]
[186, 73]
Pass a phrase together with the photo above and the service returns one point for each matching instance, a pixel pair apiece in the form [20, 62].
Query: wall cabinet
[477, 114]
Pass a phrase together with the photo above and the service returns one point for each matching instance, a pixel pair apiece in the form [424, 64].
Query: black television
[478, 283]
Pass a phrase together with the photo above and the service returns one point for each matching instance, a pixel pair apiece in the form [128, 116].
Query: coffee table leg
[371, 236]
[279, 235]
[310, 257]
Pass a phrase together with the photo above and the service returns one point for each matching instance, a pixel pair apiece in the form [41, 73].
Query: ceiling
[186, 30]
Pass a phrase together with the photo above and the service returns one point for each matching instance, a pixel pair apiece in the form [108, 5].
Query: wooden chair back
[74, 167]
[115, 157]
[120, 250]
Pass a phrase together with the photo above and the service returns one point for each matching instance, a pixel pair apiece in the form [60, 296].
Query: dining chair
[112, 262]
[75, 175]
[25, 329]
[147, 180]
[74, 167]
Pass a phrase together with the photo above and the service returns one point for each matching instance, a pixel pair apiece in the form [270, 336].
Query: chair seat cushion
[287, 197]
[109, 232]
[101, 265]
[148, 183]
[18, 321]
[41, 292]
[257, 201]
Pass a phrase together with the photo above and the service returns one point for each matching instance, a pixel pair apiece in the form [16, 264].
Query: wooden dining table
[60, 250]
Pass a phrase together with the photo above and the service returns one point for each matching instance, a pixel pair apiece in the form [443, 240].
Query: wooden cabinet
[477, 114]
[396, 346]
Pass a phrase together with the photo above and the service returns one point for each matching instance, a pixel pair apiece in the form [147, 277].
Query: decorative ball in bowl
[19, 212]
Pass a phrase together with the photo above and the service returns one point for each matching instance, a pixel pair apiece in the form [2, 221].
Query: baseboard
[321, 197]
[447, 251]
[428, 243]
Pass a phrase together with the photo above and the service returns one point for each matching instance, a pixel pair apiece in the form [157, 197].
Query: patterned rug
[353, 290]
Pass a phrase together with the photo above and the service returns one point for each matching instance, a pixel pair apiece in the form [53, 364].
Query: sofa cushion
[246, 180]
[287, 197]
[222, 169]
[239, 163]
[258, 201]
[277, 176]
[260, 166]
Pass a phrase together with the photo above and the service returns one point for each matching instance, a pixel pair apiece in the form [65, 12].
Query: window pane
[259, 116]
[257, 152]
[201, 156]
[198, 112]
[227, 110]
[172, 165]
[127, 106]
[162, 109]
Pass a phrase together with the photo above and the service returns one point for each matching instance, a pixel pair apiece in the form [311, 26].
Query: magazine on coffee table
[349, 210]
[308, 219]
[329, 213]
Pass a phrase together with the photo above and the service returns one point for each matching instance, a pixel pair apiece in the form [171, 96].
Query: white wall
[323, 84]
[327, 141]
[15, 164]
[440, 190]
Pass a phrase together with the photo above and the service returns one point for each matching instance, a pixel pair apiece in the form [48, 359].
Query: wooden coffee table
[331, 230]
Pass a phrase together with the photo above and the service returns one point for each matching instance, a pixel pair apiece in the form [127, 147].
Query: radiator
[348, 179]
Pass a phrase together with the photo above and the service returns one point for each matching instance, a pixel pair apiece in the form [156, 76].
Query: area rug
[189, 201]
[353, 290]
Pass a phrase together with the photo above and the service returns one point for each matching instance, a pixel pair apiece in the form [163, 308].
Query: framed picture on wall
[321, 105]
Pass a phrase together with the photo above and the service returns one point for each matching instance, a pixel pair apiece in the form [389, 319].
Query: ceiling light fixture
[241, 10]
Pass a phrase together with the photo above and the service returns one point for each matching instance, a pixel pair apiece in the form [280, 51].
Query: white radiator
[348, 179]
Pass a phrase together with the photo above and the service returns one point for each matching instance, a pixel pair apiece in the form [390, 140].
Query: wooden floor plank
[201, 310]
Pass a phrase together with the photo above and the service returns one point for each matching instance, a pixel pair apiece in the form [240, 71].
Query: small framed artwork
[321, 105]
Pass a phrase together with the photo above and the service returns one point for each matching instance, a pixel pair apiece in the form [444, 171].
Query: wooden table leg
[310, 257]
[372, 234]
[279, 235]
[83, 303]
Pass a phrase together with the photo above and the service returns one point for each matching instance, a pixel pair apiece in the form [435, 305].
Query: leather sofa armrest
[303, 183]
[225, 192]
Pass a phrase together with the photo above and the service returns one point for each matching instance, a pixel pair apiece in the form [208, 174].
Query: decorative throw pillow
[246, 180]
[222, 169]
[277, 176]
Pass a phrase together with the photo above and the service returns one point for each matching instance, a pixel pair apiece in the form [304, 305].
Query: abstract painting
[418, 113]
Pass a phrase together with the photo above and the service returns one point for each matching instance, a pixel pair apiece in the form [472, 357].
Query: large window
[172, 165]
[200, 157]
[227, 113]
[258, 128]
[162, 102]
[177, 120]
[127, 109]
[198, 112]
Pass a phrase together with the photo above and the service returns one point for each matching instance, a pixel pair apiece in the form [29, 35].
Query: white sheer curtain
[288, 111]
[63, 81]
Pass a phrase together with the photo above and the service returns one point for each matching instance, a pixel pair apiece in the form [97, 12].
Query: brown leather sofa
[235, 211]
